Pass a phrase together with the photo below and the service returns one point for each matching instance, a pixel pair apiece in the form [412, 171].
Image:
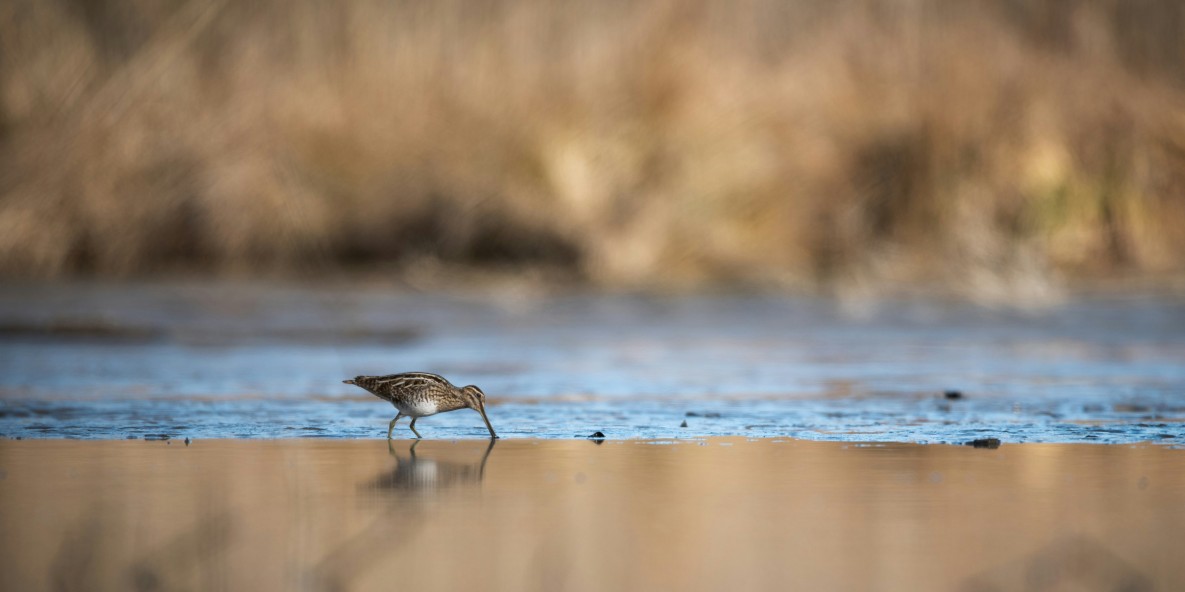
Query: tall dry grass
[991, 146]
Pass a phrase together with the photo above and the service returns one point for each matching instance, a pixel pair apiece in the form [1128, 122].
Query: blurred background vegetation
[999, 148]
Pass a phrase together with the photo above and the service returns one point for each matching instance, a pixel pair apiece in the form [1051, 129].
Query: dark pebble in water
[156, 436]
[684, 424]
[985, 443]
[952, 394]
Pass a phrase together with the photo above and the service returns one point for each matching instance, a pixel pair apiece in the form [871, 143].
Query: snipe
[420, 394]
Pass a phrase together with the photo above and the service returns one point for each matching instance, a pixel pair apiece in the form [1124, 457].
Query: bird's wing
[409, 382]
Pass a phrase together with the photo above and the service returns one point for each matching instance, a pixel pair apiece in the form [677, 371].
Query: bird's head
[474, 398]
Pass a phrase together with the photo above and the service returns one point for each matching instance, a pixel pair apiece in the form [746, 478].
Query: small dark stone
[992, 443]
[953, 394]
[684, 424]
[597, 437]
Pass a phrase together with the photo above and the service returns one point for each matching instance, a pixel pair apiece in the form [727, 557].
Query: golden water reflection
[550, 515]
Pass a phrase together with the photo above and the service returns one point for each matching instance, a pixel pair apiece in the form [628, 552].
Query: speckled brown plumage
[420, 394]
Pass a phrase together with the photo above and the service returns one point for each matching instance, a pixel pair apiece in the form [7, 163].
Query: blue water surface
[256, 360]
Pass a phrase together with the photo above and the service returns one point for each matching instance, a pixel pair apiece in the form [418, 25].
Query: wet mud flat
[696, 514]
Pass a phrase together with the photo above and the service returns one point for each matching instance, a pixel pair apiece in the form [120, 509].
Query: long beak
[349, 381]
[481, 408]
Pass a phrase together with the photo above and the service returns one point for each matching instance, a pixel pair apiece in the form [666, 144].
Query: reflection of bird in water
[409, 515]
[420, 394]
[428, 474]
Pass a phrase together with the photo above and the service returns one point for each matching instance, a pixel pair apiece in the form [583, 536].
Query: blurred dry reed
[992, 145]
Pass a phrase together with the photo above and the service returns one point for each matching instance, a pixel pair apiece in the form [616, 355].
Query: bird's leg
[391, 426]
[413, 427]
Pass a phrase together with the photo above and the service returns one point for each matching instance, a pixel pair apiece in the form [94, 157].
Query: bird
[420, 394]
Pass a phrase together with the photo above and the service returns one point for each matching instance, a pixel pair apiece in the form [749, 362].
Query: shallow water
[572, 515]
[97, 360]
